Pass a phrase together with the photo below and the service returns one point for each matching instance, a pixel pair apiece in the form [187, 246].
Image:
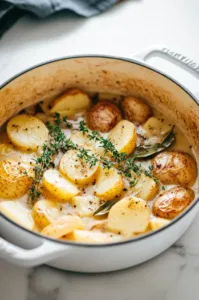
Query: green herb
[124, 165]
[90, 159]
[146, 151]
[106, 144]
[67, 124]
[57, 141]
[104, 208]
[163, 188]
[133, 182]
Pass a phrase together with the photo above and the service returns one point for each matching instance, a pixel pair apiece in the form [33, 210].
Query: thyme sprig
[58, 141]
[124, 165]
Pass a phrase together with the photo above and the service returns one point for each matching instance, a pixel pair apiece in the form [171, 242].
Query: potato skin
[135, 110]
[172, 202]
[175, 168]
[103, 116]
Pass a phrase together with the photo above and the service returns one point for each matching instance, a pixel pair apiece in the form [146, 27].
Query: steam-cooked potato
[18, 213]
[128, 216]
[123, 137]
[85, 205]
[80, 139]
[63, 226]
[175, 168]
[44, 212]
[77, 169]
[27, 132]
[71, 102]
[172, 202]
[146, 188]
[135, 110]
[103, 116]
[109, 184]
[157, 223]
[14, 183]
[157, 127]
[59, 186]
[7, 151]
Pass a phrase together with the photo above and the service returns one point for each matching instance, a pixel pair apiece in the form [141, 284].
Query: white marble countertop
[129, 27]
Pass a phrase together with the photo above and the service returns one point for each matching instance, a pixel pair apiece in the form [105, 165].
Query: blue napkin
[12, 10]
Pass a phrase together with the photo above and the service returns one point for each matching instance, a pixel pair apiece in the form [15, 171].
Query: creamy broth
[65, 201]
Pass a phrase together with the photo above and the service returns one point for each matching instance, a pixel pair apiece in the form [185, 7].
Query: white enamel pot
[103, 74]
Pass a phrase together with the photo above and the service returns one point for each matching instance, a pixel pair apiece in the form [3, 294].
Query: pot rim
[141, 237]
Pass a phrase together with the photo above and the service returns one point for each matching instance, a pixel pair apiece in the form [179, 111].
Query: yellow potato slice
[156, 127]
[123, 136]
[18, 213]
[157, 223]
[7, 151]
[77, 169]
[146, 188]
[14, 183]
[27, 132]
[63, 226]
[71, 102]
[86, 236]
[85, 205]
[80, 139]
[44, 212]
[128, 216]
[109, 184]
[59, 186]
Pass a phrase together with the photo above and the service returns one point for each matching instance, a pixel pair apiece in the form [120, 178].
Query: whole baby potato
[174, 167]
[135, 110]
[172, 202]
[103, 116]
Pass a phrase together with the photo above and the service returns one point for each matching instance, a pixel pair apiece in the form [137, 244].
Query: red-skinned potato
[103, 116]
[175, 168]
[135, 110]
[172, 202]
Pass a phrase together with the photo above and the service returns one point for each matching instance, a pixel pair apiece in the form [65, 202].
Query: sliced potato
[135, 110]
[172, 202]
[17, 213]
[14, 183]
[77, 169]
[59, 186]
[109, 184]
[80, 139]
[63, 226]
[157, 223]
[158, 127]
[86, 236]
[103, 116]
[44, 212]
[27, 132]
[85, 205]
[123, 137]
[7, 151]
[71, 102]
[128, 216]
[175, 168]
[146, 188]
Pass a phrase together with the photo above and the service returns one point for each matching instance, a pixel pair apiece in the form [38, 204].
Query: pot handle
[174, 57]
[45, 252]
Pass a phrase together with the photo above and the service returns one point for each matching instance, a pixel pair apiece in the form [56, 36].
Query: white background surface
[126, 28]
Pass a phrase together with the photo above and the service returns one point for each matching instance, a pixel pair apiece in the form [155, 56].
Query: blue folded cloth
[11, 10]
